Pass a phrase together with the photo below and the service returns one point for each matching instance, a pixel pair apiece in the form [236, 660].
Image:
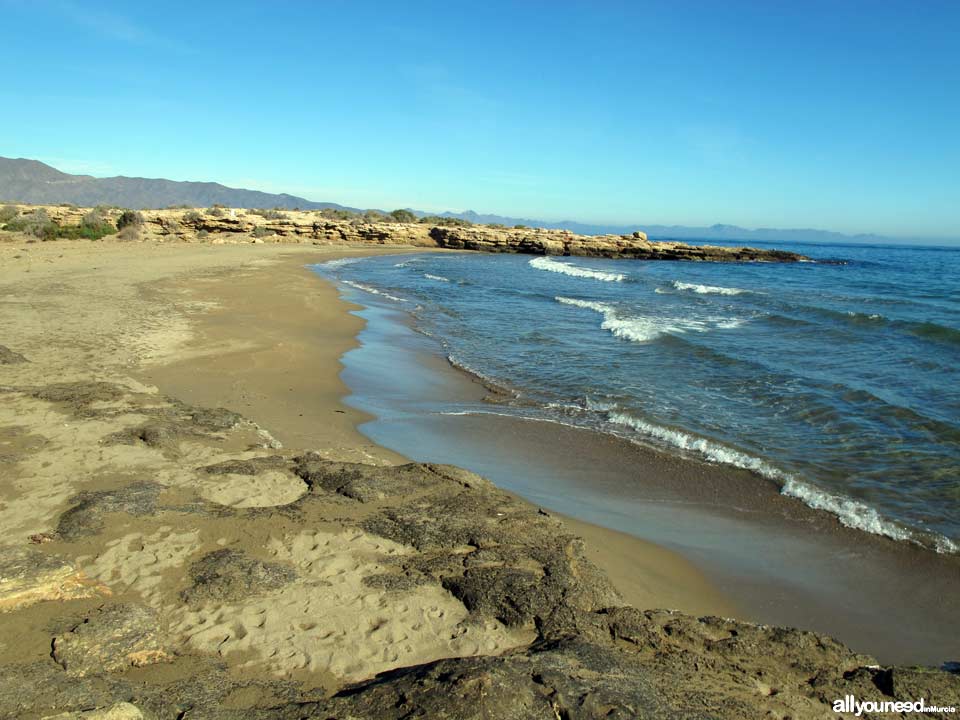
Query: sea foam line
[545, 263]
[707, 289]
[371, 290]
[438, 278]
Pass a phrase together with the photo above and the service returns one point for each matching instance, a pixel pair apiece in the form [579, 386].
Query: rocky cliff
[222, 225]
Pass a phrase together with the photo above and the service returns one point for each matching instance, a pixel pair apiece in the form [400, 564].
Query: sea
[837, 380]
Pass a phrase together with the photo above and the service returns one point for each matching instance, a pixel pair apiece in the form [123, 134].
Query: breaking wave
[438, 278]
[851, 513]
[545, 263]
[372, 291]
[639, 328]
[860, 516]
[710, 450]
[707, 289]
[339, 262]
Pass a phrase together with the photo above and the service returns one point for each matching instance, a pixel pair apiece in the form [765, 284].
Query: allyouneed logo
[851, 705]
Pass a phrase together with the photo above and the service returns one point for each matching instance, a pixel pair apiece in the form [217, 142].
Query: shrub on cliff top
[36, 223]
[93, 226]
[192, 216]
[129, 218]
[445, 221]
[8, 213]
[403, 216]
[215, 211]
[269, 214]
[337, 214]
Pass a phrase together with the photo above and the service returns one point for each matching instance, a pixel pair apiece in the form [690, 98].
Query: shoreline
[780, 561]
[163, 559]
[218, 371]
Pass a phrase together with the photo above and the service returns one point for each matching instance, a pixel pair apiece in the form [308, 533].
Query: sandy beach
[194, 527]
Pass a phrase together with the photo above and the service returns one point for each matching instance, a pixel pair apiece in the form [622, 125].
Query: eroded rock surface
[229, 575]
[538, 241]
[115, 638]
[418, 590]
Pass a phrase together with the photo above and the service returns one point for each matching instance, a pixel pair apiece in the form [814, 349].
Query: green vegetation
[129, 218]
[8, 213]
[93, 226]
[337, 214]
[445, 221]
[403, 216]
[215, 211]
[36, 223]
[520, 227]
[261, 231]
[192, 216]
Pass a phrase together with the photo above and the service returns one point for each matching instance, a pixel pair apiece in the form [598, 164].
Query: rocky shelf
[238, 225]
[539, 241]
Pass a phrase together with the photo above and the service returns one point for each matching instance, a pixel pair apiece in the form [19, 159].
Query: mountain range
[31, 181]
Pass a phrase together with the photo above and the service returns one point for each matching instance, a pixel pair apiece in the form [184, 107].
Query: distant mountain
[678, 232]
[31, 181]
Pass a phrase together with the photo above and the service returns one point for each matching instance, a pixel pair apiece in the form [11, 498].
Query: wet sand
[779, 561]
[270, 347]
[163, 556]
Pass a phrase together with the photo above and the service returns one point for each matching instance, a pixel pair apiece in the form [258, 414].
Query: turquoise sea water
[836, 379]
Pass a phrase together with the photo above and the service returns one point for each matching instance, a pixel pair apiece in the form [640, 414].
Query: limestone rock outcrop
[539, 241]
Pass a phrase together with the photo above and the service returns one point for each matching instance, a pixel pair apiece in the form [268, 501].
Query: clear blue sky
[838, 115]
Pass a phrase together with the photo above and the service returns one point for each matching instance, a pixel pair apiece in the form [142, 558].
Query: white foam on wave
[372, 290]
[641, 328]
[339, 262]
[858, 515]
[438, 278]
[408, 262]
[710, 450]
[865, 316]
[707, 289]
[545, 263]
[852, 513]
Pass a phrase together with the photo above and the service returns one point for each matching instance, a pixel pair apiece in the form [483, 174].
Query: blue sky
[837, 115]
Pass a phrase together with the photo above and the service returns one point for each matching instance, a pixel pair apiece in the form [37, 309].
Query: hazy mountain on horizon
[32, 181]
[678, 232]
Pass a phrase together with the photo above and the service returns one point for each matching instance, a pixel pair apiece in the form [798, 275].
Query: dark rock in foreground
[583, 654]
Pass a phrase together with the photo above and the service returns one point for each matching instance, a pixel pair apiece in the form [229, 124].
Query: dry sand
[242, 327]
